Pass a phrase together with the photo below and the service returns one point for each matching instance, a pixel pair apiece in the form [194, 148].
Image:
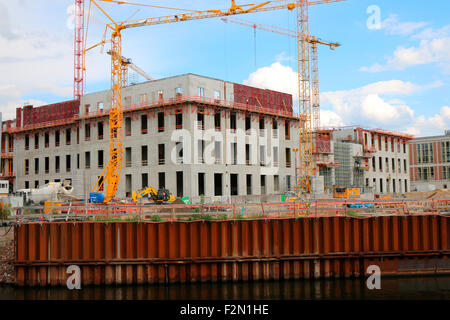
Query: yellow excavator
[159, 197]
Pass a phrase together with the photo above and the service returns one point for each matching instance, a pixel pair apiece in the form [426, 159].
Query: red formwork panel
[230, 250]
[271, 101]
[19, 117]
[322, 145]
[47, 114]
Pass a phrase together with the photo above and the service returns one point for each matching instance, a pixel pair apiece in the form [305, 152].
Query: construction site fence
[176, 212]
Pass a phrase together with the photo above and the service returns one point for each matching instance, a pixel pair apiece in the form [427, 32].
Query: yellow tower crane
[111, 174]
[314, 41]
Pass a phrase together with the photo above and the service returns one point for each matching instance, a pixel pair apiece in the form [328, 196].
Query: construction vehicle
[346, 193]
[351, 193]
[378, 196]
[50, 192]
[160, 197]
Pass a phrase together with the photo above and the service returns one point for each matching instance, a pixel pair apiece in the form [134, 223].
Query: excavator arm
[160, 196]
[136, 195]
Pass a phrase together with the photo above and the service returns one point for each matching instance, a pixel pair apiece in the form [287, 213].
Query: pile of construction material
[6, 258]
[6, 255]
[440, 194]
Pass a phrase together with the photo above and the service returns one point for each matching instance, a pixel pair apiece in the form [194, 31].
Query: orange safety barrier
[326, 208]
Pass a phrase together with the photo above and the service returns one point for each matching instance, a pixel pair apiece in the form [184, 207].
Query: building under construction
[172, 128]
[374, 160]
[197, 136]
[7, 151]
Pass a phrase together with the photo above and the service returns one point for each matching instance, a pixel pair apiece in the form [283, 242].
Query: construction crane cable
[289, 39]
[254, 35]
[148, 5]
[87, 25]
[85, 41]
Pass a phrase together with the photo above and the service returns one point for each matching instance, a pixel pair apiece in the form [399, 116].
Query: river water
[423, 287]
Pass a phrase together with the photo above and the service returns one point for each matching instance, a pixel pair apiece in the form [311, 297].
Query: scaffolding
[327, 173]
[344, 172]
[358, 172]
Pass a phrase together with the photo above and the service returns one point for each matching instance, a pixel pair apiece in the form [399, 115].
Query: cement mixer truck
[52, 191]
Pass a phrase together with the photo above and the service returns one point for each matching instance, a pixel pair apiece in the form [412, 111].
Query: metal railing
[198, 99]
[7, 174]
[179, 212]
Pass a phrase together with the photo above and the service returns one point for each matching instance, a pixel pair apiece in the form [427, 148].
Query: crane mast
[78, 60]
[304, 100]
[314, 41]
[127, 63]
[315, 86]
[111, 173]
[114, 166]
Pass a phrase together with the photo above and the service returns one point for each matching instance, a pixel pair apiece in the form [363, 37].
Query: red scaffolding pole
[78, 65]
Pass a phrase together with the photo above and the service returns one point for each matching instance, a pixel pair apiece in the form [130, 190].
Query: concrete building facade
[430, 162]
[7, 171]
[375, 160]
[191, 134]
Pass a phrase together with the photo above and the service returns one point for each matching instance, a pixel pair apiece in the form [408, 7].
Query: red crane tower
[78, 59]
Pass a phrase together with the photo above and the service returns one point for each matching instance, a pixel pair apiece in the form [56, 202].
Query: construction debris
[440, 194]
[6, 255]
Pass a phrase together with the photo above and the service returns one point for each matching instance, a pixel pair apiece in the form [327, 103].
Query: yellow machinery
[49, 207]
[161, 196]
[111, 174]
[381, 197]
[346, 193]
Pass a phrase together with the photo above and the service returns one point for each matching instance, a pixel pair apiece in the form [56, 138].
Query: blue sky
[394, 77]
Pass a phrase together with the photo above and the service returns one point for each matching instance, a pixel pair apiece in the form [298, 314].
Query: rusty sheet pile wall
[161, 252]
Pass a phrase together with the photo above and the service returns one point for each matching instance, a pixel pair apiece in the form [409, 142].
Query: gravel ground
[6, 255]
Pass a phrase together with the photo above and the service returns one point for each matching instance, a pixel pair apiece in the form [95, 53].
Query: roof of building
[187, 74]
[372, 130]
[425, 138]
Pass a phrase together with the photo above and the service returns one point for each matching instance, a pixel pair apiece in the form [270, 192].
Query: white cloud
[275, 77]
[37, 59]
[376, 110]
[283, 57]
[430, 33]
[428, 51]
[434, 46]
[374, 105]
[369, 106]
[393, 26]
[436, 124]
[330, 118]
[8, 109]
